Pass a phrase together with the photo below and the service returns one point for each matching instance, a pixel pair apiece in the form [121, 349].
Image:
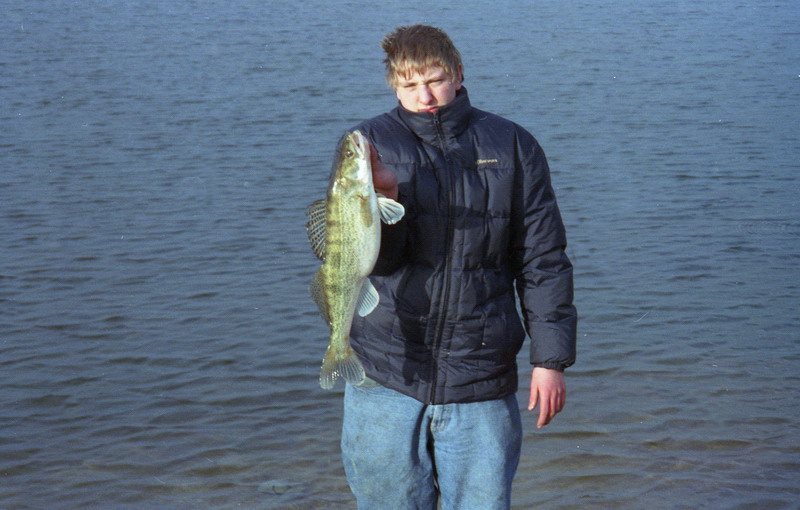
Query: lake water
[158, 349]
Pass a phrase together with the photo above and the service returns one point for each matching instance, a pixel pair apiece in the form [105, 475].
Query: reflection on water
[158, 348]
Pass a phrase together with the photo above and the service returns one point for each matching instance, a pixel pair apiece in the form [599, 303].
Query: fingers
[544, 408]
[373, 156]
[549, 392]
[549, 408]
[545, 415]
[533, 400]
[384, 180]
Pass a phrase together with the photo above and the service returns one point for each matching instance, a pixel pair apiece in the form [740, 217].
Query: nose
[425, 95]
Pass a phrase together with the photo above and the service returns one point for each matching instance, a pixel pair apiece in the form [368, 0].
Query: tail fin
[335, 365]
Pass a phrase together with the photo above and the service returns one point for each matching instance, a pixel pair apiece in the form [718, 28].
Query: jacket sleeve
[542, 269]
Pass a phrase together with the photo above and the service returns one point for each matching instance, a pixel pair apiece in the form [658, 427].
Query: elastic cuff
[553, 366]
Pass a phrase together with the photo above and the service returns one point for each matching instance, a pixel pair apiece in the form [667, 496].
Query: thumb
[534, 399]
[384, 180]
[373, 156]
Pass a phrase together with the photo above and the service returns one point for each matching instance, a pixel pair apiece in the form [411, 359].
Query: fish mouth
[363, 167]
[360, 143]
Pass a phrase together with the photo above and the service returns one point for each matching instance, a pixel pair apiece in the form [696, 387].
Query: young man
[438, 417]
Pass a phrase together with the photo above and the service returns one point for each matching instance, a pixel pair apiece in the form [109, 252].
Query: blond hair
[415, 48]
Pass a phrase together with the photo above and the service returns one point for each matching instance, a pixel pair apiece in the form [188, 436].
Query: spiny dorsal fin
[315, 227]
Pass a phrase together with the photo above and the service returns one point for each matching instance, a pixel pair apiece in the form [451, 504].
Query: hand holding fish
[384, 180]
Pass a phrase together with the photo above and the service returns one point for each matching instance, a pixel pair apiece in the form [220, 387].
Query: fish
[344, 230]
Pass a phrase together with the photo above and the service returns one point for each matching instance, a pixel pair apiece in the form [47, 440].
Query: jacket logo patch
[485, 161]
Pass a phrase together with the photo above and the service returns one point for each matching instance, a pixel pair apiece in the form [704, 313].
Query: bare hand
[384, 180]
[549, 391]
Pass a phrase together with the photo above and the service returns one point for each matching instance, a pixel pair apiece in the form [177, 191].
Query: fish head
[353, 159]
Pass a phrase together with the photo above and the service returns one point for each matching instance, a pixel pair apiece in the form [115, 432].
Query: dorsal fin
[315, 227]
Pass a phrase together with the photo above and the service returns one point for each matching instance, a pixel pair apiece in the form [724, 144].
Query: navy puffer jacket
[481, 216]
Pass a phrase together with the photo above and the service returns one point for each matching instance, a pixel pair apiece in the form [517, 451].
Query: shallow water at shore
[158, 348]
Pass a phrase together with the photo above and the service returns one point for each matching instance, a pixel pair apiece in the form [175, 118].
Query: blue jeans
[400, 454]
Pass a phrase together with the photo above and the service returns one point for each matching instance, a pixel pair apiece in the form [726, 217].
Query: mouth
[360, 142]
[430, 109]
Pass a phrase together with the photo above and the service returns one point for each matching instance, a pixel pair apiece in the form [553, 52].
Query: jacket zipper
[439, 332]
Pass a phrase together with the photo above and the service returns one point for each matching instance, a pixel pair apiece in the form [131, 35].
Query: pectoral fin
[367, 299]
[391, 211]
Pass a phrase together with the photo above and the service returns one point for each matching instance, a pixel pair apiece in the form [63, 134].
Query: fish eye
[348, 153]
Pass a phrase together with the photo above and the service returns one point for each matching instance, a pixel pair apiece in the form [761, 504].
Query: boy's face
[426, 90]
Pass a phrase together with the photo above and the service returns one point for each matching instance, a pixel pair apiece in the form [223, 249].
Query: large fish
[345, 233]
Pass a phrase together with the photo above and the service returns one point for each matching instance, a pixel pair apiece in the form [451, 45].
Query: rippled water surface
[157, 345]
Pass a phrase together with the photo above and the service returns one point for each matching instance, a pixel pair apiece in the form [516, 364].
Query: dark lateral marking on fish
[366, 212]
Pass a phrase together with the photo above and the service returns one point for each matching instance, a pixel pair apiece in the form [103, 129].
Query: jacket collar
[452, 118]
